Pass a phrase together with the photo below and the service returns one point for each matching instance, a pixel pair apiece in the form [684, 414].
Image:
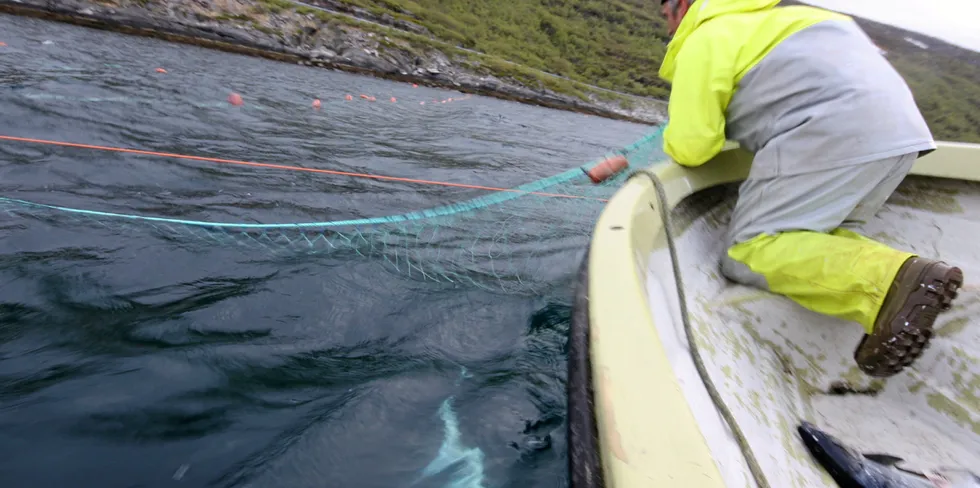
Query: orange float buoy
[421, 103]
[236, 100]
[3, 44]
[316, 104]
[415, 85]
[348, 97]
[393, 100]
[607, 169]
[161, 70]
[365, 96]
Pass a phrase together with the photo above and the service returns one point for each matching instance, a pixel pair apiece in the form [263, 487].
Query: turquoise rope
[452, 209]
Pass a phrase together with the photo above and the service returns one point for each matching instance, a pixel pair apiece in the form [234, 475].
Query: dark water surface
[129, 360]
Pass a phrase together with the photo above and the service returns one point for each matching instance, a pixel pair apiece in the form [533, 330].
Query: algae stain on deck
[953, 327]
[926, 195]
[953, 410]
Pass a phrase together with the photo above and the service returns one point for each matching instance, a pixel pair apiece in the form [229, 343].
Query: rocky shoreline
[318, 37]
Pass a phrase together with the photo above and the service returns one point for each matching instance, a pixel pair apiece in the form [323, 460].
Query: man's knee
[739, 272]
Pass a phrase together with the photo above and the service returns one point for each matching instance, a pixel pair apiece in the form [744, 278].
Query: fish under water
[461, 465]
[852, 469]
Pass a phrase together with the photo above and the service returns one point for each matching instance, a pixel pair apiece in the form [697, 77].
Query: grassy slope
[447, 41]
[615, 44]
[618, 44]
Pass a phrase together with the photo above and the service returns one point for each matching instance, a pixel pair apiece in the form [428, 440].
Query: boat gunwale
[648, 435]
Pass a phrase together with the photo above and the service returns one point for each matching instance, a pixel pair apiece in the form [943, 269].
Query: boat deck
[776, 363]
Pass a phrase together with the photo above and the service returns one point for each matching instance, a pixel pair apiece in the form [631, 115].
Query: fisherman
[834, 130]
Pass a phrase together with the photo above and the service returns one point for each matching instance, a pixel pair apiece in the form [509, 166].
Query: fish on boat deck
[852, 469]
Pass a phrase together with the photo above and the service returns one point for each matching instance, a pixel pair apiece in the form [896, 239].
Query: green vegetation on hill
[614, 44]
[618, 44]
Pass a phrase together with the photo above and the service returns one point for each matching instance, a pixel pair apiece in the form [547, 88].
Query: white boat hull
[773, 362]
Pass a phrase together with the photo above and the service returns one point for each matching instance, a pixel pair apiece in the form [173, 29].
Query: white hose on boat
[743, 443]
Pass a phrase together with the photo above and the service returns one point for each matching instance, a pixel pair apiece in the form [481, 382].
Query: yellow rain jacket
[716, 44]
[809, 94]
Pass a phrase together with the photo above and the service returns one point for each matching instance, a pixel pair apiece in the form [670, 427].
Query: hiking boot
[922, 289]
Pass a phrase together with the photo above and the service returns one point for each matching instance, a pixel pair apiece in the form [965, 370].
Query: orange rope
[287, 167]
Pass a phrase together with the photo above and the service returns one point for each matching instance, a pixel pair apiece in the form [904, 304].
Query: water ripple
[130, 357]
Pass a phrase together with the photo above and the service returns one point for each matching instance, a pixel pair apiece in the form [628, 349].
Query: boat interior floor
[776, 363]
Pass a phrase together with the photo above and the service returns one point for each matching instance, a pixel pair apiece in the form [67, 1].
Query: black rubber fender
[584, 460]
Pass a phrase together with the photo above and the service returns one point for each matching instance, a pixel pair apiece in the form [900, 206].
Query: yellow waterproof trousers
[790, 235]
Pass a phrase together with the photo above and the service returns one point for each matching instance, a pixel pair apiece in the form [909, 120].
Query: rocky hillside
[597, 56]
[618, 44]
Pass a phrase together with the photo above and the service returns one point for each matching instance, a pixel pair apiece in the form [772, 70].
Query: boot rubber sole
[934, 295]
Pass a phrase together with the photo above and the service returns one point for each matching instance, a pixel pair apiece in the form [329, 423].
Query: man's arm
[699, 96]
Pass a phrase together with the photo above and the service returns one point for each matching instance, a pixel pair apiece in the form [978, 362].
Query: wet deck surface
[777, 363]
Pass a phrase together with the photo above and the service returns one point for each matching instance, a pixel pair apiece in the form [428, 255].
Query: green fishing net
[518, 241]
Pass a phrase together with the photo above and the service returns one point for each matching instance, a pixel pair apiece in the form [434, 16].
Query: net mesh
[515, 242]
